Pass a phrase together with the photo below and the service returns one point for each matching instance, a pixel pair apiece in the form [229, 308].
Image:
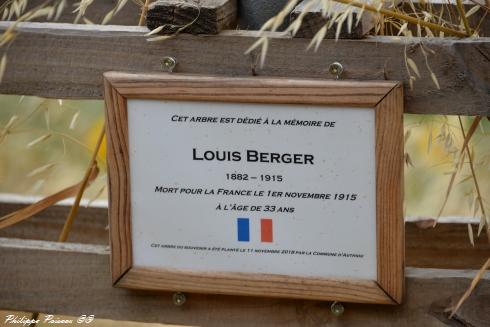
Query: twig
[477, 187]
[462, 13]
[74, 209]
[144, 10]
[460, 161]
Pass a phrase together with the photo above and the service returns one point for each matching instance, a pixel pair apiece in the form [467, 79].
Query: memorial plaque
[251, 186]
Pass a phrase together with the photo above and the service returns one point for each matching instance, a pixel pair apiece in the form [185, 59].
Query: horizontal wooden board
[40, 277]
[67, 61]
[129, 14]
[445, 246]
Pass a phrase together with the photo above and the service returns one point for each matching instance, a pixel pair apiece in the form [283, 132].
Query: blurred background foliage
[49, 144]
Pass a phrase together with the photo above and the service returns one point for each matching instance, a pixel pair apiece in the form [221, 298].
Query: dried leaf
[403, 28]
[413, 66]
[155, 30]
[39, 140]
[87, 21]
[470, 235]
[255, 45]
[74, 120]
[3, 65]
[434, 79]
[41, 169]
[160, 38]
[317, 38]
[12, 120]
[59, 10]
[108, 17]
[5, 13]
[473, 10]
[481, 225]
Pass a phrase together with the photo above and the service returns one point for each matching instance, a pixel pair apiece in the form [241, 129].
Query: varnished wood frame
[385, 97]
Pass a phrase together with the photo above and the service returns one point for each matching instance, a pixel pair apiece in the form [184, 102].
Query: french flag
[243, 230]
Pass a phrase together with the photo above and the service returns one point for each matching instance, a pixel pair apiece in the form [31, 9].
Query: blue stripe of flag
[243, 229]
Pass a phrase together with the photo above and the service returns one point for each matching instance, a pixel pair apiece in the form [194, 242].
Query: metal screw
[337, 309]
[168, 64]
[179, 299]
[336, 69]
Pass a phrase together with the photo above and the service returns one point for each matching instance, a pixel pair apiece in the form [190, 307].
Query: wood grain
[65, 61]
[119, 183]
[389, 193]
[66, 282]
[358, 291]
[204, 16]
[248, 89]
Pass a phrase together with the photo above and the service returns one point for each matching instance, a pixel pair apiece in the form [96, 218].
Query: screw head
[179, 298]
[337, 309]
[168, 63]
[336, 69]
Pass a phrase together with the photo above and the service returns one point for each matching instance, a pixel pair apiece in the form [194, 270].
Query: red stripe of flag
[266, 230]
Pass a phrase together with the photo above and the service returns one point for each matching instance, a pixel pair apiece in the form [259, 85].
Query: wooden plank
[41, 278]
[89, 227]
[68, 61]
[313, 20]
[445, 246]
[128, 15]
[205, 16]
[119, 182]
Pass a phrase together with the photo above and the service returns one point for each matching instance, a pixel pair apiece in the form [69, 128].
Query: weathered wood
[128, 15]
[38, 277]
[445, 246]
[313, 20]
[205, 16]
[90, 225]
[68, 61]
[386, 99]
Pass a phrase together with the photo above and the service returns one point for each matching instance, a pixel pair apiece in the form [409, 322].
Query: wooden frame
[385, 97]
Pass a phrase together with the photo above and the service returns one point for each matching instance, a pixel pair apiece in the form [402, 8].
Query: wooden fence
[67, 61]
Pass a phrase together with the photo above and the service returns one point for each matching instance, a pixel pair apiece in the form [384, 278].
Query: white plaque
[309, 169]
